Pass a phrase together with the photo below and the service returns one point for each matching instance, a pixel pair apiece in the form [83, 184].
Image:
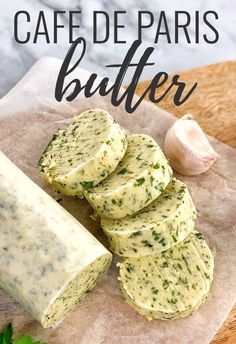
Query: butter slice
[162, 224]
[141, 177]
[172, 284]
[84, 154]
[48, 260]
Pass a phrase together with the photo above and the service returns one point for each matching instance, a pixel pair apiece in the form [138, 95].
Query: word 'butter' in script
[118, 94]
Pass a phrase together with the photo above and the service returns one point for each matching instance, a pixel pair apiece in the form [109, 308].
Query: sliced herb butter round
[172, 284]
[141, 177]
[162, 224]
[84, 154]
[48, 260]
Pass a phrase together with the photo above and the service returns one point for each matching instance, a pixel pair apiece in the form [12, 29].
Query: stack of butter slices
[146, 214]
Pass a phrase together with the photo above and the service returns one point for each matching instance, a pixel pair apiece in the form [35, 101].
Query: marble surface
[16, 59]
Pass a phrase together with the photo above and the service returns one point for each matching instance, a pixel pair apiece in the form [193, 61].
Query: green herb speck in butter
[140, 181]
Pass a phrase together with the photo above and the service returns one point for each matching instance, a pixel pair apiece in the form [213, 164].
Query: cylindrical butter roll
[48, 260]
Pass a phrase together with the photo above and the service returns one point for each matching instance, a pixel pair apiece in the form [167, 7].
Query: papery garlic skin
[187, 147]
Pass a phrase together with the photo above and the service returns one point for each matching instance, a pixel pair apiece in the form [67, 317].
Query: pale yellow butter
[84, 154]
[162, 224]
[48, 260]
[171, 284]
[141, 177]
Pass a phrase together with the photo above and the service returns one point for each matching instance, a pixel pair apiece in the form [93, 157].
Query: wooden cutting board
[213, 105]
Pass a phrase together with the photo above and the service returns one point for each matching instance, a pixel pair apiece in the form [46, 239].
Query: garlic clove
[187, 148]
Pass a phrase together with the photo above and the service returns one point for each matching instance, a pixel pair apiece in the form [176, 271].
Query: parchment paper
[103, 316]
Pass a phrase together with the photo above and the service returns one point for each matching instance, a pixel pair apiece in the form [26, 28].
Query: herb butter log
[162, 224]
[84, 154]
[141, 177]
[48, 260]
[172, 284]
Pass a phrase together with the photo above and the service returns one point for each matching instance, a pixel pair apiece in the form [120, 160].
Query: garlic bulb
[187, 147]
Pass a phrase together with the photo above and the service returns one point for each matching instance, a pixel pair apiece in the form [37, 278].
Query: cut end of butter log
[84, 154]
[140, 177]
[172, 284]
[162, 224]
[48, 260]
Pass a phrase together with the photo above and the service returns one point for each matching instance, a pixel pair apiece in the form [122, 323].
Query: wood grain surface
[213, 105]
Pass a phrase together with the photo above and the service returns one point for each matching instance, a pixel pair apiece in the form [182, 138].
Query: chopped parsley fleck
[135, 234]
[103, 173]
[129, 268]
[156, 166]
[162, 242]
[179, 266]
[199, 235]
[87, 185]
[152, 179]
[155, 290]
[146, 243]
[174, 238]
[140, 181]
[123, 171]
[165, 284]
